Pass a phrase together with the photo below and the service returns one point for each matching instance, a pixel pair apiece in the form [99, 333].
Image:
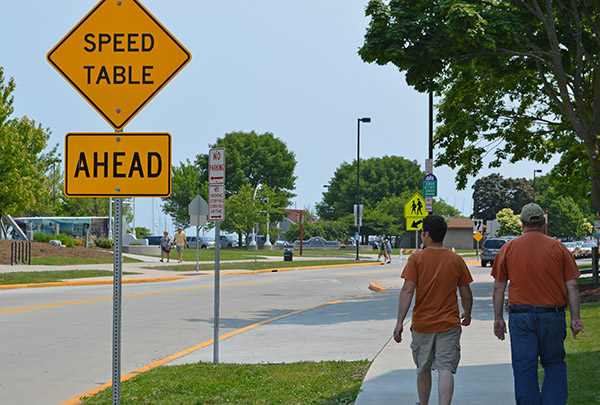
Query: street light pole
[254, 241]
[358, 218]
[534, 172]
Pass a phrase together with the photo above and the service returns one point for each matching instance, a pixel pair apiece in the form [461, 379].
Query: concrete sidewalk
[483, 376]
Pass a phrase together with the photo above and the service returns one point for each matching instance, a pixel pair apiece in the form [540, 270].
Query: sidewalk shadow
[373, 307]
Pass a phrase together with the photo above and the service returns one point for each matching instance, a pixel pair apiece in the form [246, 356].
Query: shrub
[64, 239]
[42, 237]
[46, 237]
[79, 241]
[104, 243]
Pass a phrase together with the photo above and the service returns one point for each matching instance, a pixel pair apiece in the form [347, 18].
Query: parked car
[491, 247]
[587, 249]
[282, 243]
[204, 242]
[571, 246]
[228, 241]
[153, 240]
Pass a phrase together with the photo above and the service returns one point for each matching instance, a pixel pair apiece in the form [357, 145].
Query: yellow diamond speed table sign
[118, 57]
[118, 164]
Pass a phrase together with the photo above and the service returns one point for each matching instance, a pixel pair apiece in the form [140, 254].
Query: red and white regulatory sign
[216, 184]
[216, 202]
[216, 166]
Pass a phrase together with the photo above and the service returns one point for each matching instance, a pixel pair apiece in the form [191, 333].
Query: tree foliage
[251, 159]
[251, 206]
[510, 223]
[565, 219]
[517, 77]
[494, 192]
[23, 165]
[185, 186]
[380, 178]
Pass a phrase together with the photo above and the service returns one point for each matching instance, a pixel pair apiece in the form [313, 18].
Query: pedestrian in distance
[381, 245]
[543, 281]
[434, 275]
[165, 246]
[180, 241]
[388, 251]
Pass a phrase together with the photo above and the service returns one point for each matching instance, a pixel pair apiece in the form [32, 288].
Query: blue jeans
[533, 336]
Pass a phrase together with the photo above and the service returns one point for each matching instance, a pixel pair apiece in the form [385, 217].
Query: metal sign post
[217, 291]
[117, 293]
[216, 212]
[198, 210]
[197, 249]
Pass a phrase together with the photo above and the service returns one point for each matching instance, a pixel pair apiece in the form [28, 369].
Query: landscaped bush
[64, 239]
[104, 243]
[79, 241]
[42, 237]
[46, 237]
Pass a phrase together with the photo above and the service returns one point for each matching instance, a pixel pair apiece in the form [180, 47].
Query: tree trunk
[594, 156]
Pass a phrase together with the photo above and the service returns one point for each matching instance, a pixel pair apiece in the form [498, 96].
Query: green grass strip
[250, 265]
[328, 382]
[583, 357]
[34, 277]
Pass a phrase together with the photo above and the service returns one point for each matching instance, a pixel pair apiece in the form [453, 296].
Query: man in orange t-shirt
[435, 273]
[543, 280]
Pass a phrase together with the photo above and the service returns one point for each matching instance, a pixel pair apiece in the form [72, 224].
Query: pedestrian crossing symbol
[414, 212]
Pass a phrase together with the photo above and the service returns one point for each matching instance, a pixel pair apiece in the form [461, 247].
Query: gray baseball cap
[531, 212]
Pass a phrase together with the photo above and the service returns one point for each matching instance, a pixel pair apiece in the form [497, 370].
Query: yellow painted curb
[376, 287]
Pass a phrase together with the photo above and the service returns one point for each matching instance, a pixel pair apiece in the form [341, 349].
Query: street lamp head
[537, 171]
[365, 119]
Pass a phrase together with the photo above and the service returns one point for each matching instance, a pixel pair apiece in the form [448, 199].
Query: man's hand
[500, 328]
[576, 327]
[398, 332]
[466, 319]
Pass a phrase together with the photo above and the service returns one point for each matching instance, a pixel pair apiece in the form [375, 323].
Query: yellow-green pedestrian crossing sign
[414, 212]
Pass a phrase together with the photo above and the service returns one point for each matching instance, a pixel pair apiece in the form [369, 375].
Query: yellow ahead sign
[118, 164]
[118, 58]
[414, 212]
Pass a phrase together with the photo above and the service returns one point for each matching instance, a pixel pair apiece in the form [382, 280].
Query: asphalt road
[56, 343]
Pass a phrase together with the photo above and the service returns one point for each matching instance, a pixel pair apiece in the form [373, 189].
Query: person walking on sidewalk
[435, 274]
[388, 251]
[180, 242]
[165, 246]
[543, 280]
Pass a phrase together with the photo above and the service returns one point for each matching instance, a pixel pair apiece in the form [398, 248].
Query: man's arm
[498, 300]
[466, 299]
[573, 297]
[406, 295]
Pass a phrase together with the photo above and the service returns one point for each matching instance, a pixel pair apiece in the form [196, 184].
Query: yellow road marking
[60, 304]
[77, 399]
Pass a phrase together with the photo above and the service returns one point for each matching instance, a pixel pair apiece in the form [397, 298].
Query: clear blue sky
[286, 67]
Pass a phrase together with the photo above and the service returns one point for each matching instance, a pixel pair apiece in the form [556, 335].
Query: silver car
[204, 242]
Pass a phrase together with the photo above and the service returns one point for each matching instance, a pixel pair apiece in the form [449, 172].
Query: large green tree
[381, 177]
[254, 159]
[565, 219]
[520, 78]
[23, 163]
[494, 192]
[251, 160]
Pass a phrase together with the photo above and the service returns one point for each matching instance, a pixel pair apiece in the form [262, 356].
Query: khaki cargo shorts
[436, 351]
